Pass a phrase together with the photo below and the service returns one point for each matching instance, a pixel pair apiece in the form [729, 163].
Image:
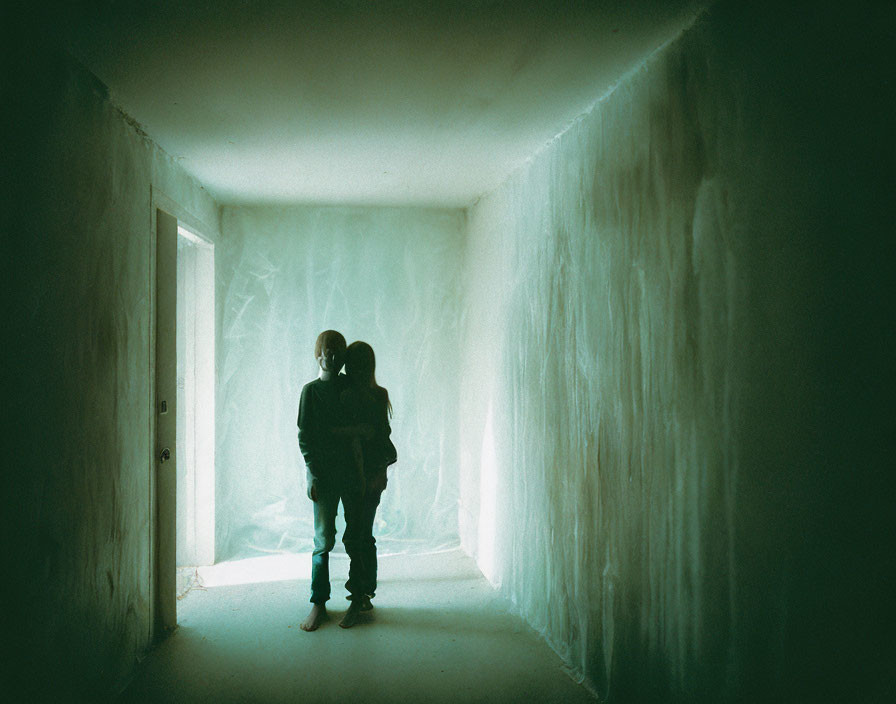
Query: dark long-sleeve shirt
[320, 410]
[368, 407]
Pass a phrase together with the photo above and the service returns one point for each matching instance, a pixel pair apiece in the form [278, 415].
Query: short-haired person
[331, 472]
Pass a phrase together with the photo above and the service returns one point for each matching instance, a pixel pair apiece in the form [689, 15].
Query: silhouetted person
[366, 408]
[330, 471]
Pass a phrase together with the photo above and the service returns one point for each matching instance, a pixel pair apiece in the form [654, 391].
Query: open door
[165, 619]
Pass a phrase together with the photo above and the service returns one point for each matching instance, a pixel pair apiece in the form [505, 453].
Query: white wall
[660, 347]
[389, 276]
[77, 519]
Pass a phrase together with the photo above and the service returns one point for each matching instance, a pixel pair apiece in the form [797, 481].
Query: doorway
[183, 367]
[195, 436]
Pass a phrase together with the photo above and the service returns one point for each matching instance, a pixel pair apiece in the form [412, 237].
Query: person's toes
[314, 619]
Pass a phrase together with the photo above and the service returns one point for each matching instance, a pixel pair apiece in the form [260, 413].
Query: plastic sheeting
[390, 277]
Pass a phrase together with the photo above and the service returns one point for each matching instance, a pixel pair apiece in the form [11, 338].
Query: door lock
[165, 456]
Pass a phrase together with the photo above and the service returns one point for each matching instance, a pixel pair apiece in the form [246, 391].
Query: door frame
[160, 201]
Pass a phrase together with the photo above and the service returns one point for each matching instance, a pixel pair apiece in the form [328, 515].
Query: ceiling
[392, 103]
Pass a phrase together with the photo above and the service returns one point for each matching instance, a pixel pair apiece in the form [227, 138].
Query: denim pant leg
[360, 544]
[371, 503]
[352, 506]
[324, 539]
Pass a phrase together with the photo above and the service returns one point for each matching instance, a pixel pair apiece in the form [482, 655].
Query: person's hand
[377, 482]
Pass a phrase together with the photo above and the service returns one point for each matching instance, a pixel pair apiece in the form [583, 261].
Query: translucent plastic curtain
[388, 276]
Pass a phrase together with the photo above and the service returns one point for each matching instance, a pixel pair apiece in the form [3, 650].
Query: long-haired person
[367, 408]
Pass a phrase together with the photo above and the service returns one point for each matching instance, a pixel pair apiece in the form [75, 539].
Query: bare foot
[351, 616]
[317, 616]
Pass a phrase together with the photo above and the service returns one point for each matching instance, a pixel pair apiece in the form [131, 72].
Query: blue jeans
[360, 545]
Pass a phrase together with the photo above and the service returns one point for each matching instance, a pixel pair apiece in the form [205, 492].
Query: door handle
[165, 456]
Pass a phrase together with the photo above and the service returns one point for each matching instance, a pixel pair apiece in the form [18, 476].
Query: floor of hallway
[439, 633]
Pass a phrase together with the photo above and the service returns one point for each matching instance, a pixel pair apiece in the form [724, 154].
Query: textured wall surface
[77, 229]
[675, 325]
[676, 430]
[388, 276]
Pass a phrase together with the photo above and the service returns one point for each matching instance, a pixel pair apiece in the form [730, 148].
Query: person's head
[329, 350]
[360, 363]
[360, 367]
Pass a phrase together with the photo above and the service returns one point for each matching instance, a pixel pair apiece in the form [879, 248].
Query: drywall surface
[387, 276]
[675, 327]
[77, 513]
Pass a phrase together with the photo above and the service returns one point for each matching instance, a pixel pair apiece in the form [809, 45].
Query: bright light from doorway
[196, 400]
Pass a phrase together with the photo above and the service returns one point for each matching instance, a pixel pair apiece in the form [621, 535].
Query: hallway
[627, 269]
[439, 633]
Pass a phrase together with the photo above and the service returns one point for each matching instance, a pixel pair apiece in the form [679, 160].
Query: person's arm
[385, 428]
[385, 451]
[353, 427]
[307, 439]
[390, 455]
[361, 430]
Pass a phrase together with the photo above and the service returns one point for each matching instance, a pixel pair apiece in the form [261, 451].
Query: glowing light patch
[272, 568]
[488, 486]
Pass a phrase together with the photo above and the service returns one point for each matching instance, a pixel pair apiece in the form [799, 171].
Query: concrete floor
[439, 633]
